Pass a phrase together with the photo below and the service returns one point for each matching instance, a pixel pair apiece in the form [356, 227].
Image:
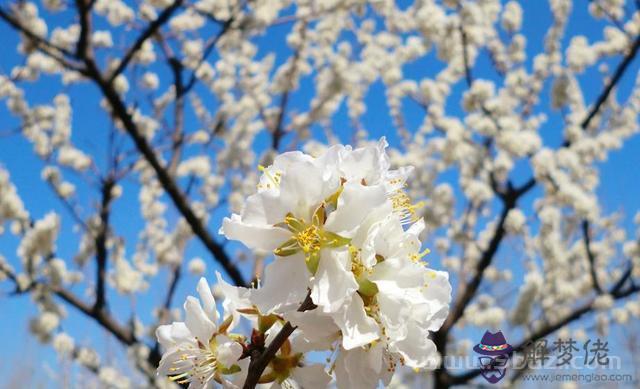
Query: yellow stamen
[274, 178]
[356, 264]
[402, 205]
[417, 257]
[309, 239]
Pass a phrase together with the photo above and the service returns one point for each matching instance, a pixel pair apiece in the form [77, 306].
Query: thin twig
[260, 361]
[206, 52]
[592, 259]
[622, 67]
[465, 57]
[146, 34]
[119, 109]
[43, 45]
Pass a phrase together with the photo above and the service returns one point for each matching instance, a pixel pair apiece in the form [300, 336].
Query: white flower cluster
[116, 11]
[125, 278]
[346, 236]
[39, 241]
[11, 206]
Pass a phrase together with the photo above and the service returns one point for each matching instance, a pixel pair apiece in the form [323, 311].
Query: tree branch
[48, 48]
[443, 378]
[122, 333]
[509, 201]
[260, 361]
[590, 256]
[83, 47]
[440, 338]
[278, 130]
[175, 193]
[211, 44]
[146, 34]
[465, 56]
[178, 115]
[101, 245]
[622, 67]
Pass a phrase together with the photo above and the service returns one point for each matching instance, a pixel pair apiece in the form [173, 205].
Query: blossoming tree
[237, 108]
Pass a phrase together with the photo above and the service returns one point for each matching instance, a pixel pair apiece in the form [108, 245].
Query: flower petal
[303, 187]
[333, 282]
[208, 302]
[170, 335]
[397, 308]
[398, 273]
[311, 376]
[168, 361]
[354, 204]
[359, 368]
[316, 327]
[284, 287]
[228, 352]
[416, 348]
[256, 237]
[366, 163]
[235, 381]
[235, 297]
[197, 321]
[438, 292]
[416, 228]
[357, 328]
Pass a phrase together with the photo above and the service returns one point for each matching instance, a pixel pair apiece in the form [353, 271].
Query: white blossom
[197, 166]
[11, 206]
[40, 240]
[150, 81]
[512, 16]
[200, 349]
[73, 158]
[63, 344]
[335, 223]
[113, 378]
[197, 266]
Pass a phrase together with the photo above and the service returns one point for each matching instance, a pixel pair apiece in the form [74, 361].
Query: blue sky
[619, 189]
